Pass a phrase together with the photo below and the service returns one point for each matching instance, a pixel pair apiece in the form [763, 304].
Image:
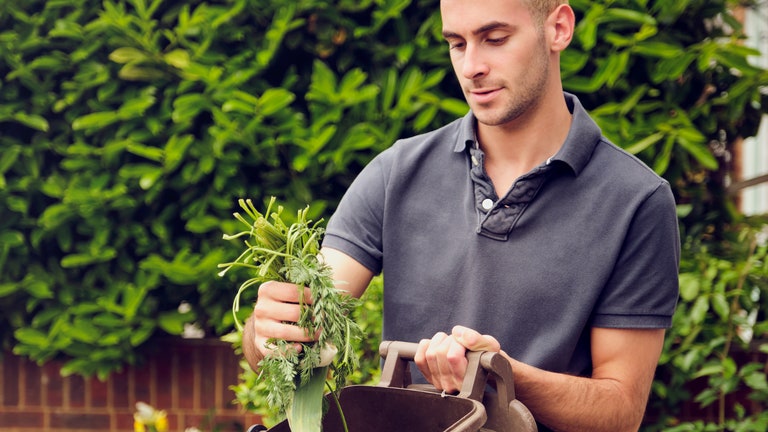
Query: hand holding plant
[276, 251]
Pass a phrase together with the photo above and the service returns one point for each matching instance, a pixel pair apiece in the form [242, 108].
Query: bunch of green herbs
[277, 251]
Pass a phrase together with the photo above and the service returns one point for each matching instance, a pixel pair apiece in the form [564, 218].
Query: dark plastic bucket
[386, 409]
[395, 405]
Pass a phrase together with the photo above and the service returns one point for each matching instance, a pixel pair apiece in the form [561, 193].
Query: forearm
[569, 403]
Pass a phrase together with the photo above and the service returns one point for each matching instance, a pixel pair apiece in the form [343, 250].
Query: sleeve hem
[357, 253]
[632, 321]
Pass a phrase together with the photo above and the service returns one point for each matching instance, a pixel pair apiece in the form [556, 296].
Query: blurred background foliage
[129, 129]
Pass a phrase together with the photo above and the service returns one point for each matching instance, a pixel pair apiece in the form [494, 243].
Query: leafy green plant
[251, 391]
[719, 323]
[673, 83]
[276, 251]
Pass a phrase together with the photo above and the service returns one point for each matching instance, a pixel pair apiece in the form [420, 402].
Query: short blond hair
[540, 9]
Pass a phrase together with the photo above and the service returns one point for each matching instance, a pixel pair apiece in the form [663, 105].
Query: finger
[269, 348]
[455, 366]
[434, 355]
[277, 311]
[276, 320]
[271, 329]
[421, 359]
[474, 341]
[284, 292]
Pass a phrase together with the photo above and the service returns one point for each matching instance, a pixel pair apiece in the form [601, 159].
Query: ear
[560, 25]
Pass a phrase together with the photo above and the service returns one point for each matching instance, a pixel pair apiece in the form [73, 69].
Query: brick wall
[190, 380]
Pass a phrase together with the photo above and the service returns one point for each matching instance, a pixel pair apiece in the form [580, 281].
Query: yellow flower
[148, 418]
[138, 426]
[161, 422]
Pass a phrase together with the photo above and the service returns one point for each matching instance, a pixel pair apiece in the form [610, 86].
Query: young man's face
[499, 55]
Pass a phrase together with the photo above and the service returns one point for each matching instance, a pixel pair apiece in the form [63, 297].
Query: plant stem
[338, 406]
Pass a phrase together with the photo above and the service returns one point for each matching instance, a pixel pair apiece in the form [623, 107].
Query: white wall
[754, 200]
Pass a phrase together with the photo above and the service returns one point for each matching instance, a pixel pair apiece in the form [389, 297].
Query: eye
[455, 44]
[496, 41]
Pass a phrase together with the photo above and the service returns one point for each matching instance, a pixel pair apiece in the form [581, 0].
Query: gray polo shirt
[589, 238]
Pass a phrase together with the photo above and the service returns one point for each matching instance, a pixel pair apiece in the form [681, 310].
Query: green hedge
[129, 128]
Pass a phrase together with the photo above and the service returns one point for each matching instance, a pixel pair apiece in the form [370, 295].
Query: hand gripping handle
[480, 365]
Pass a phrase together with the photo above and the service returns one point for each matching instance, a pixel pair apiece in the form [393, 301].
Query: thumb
[474, 341]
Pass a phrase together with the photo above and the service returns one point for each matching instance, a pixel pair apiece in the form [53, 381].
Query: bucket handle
[480, 364]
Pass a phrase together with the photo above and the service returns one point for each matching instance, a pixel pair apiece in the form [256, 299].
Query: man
[516, 229]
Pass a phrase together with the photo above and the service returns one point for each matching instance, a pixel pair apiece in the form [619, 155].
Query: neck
[515, 148]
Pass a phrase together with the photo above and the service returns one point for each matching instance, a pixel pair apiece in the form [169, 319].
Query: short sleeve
[356, 227]
[642, 291]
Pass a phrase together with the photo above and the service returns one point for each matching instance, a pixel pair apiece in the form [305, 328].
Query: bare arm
[277, 306]
[613, 399]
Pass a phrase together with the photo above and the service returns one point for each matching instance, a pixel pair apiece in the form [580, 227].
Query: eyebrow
[493, 25]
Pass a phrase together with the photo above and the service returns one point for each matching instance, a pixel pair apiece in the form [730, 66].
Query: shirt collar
[582, 138]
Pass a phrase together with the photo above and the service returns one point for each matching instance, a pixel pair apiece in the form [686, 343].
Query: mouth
[483, 95]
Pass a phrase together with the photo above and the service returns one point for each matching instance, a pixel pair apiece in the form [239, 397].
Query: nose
[474, 65]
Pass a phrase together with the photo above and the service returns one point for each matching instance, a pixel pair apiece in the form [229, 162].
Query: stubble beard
[525, 95]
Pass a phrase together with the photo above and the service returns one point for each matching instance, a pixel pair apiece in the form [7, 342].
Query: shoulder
[447, 138]
[434, 148]
[624, 168]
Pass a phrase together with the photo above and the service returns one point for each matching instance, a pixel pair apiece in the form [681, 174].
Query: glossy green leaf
[80, 260]
[274, 100]
[173, 322]
[33, 121]
[127, 55]
[95, 120]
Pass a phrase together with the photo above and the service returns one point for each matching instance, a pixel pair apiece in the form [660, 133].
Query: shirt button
[487, 204]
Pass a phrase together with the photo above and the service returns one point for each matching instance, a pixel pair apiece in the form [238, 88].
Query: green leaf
[721, 306]
[95, 120]
[173, 322]
[81, 260]
[658, 50]
[127, 55]
[83, 330]
[131, 72]
[627, 15]
[9, 157]
[187, 107]
[202, 224]
[645, 143]
[351, 81]
[55, 215]
[178, 58]
[699, 310]
[757, 381]
[274, 100]
[690, 286]
[30, 336]
[683, 210]
[663, 158]
[180, 271]
[38, 289]
[712, 369]
[454, 106]
[700, 152]
[175, 150]
[152, 153]
[305, 413]
[32, 120]
[7, 289]
[141, 334]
